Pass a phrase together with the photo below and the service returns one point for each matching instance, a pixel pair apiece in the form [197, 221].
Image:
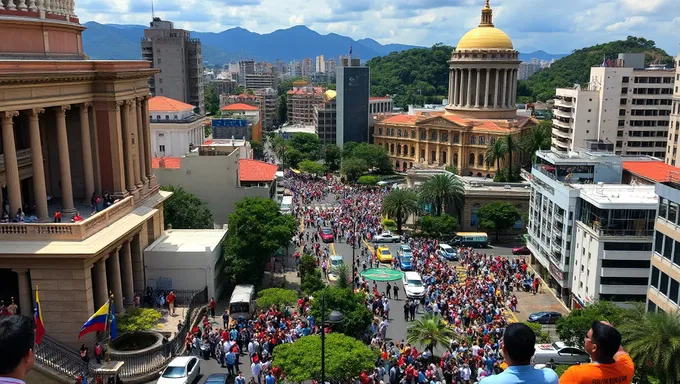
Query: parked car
[544, 317]
[405, 263]
[445, 251]
[386, 237]
[336, 261]
[181, 370]
[523, 250]
[384, 255]
[327, 235]
[413, 285]
[217, 378]
[560, 353]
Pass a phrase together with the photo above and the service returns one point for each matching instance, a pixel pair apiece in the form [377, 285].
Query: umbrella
[382, 274]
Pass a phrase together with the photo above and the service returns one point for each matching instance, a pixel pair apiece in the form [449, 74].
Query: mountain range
[122, 42]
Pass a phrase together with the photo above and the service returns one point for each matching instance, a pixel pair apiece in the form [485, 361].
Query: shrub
[276, 296]
[368, 180]
[541, 335]
[389, 224]
[452, 169]
[138, 319]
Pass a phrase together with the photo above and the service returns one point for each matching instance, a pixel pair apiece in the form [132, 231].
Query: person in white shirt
[17, 337]
[256, 368]
[465, 373]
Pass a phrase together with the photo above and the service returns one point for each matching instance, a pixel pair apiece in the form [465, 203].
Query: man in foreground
[611, 363]
[17, 338]
[518, 347]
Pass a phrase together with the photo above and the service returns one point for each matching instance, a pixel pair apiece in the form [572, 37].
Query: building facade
[257, 81]
[663, 293]
[481, 109]
[528, 68]
[325, 115]
[180, 61]
[674, 127]
[268, 98]
[301, 102]
[320, 64]
[353, 86]
[307, 67]
[175, 128]
[245, 67]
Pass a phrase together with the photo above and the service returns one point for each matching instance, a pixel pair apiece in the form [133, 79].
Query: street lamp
[334, 317]
[354, 263]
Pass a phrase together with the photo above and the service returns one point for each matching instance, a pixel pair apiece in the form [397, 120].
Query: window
[673, 294]
[158, 117]
[625, 280]
[167, 117]
[667, 247]
[473, 139]
[622, 112]
[676, 254]
[413, 151]
[607, 263]
[413, 134]
[654, 281]
[663, 208]
[672, 212]
[380, 131]
[471, 160]
[161, 148]
[456, 138]
[658, 243]
[482, 140]
[663, 283]
[433, 135]
[624, 79]
[480, 160]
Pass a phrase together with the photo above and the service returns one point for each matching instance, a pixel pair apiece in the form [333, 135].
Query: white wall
[585, 281]
[176, 137]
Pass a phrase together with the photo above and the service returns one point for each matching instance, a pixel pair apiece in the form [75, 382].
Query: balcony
[563, 124]
[557, 236]
[22, 156]
[560, 133]
[566, 114]
[559, 218]
[566, 102]
[623, 289]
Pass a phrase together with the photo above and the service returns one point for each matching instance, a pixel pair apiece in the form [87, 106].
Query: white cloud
[626, 24]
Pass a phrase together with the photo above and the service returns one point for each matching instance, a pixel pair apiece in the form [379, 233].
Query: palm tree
[511, 146]
[539, 137]
[429, 331]
[343, 273]
[443, 189]
[495, 153]
[400, 204]
[655, 342]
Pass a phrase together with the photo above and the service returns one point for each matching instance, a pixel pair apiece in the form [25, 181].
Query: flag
[113, 329]
[96, 322]
[37, 315]
[604, 61]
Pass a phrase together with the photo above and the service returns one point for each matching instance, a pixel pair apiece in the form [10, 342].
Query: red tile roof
[163, 104]
[377, 98]
[166, 162]
[656, 171]
[239, 107]
[256, 171]
[401, 119]
[489, 126]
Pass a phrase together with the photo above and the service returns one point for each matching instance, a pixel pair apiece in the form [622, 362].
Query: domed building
[481, 109]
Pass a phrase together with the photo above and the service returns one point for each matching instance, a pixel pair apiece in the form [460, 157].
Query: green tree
[310, 276]
[429, 331]
[353, 168]
[287, 85]
[400, 204]
[542, 337]
[256, 230]
[436, 226]
[375, 156]
[368, 180]
[348, 149]
[138, 319]
[346, 358]
[307, 265]
[344, 276]
[351, 304]
[258, 149]
[276, 296]
[311, 167]
[573, 327]
[211, 99]
[308, 144]
[537, 138]
[292, 158]
[184, 210]
[282, 109]
[511, 146]
[443, 190]
[654, 340]
[279, 146]
[498, 215]
[332, 156]
[495, 153]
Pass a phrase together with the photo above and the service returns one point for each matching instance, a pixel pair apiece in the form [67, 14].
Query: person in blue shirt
[231, 360]
[269, 379]
[518, 348]
[240, 379]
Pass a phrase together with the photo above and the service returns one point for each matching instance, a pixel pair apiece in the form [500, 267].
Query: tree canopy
[184, 210]
[258, 149]
[256, 230]
[430, 331]
[276, 296]
[353, 168]
[332, 156]
[307, 143]
[498, 215]
[311, 167]
[346, 358]
[574, 327]
[575, 68]
[351, 304]
[400, 204]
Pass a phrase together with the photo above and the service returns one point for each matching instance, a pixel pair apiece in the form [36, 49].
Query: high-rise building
[626, 106]
[301, 102]
[180, 60]
[325, 118]
[268, 98]
[353, 87]
[329, 66]
[674, 130]
[307, 67]
[526, 69]
[256, 81]
[295, 69]
[320, 64]
[245, 67]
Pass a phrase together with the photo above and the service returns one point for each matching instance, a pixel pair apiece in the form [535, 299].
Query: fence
[61, 359]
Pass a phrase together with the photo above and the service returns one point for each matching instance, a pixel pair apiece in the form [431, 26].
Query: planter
[130, 343]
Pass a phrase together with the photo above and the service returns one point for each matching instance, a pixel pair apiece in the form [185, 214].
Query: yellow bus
[471, 239]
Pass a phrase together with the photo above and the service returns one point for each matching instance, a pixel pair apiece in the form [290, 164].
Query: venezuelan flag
[37, 315]
[97, 322]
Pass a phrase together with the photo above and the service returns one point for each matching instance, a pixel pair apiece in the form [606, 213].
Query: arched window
[423, 135]
[473, 139]
[492, 140]
[396, 164]
[380, 131]
[398, 149]
[482, 140]
[471, 160]
[480, 159]
[413, 134]
[456, 138]
[405, 150]
[455, 159]
[392, 148]
[399, 132]
[413, 151]
[442, 158]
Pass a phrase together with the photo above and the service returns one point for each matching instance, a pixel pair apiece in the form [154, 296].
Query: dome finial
[487, 17]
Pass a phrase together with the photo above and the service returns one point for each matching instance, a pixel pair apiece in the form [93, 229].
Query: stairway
[64, 363]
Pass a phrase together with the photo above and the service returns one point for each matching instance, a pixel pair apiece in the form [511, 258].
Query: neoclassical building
[482, 97]
[71, 128]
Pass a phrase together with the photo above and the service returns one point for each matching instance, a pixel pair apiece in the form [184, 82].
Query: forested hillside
[575, 68]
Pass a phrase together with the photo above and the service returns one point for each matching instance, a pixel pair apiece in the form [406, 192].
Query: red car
[327, 235]
[523, 250]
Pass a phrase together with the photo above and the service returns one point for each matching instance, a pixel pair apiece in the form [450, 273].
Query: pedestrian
[407, 310]
[225, 319]
[231, 361]
[388, 290]
[269, 379]
[84, 354]
[98, 352]
[240, 379]
[212, 307]
[412, 310]
[396, 291]
[256, 368]
[171, 303]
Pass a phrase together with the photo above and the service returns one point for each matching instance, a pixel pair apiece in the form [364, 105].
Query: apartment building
[255, 81]
[528, 68]
[245, 67]
[674, 128]
[628, 106]
[301, 102]
[613, 243]
[321, 64]
[268, 98]
[307, 67]
[180, 60]
[325, 115]
[663, 293]
[378, 104]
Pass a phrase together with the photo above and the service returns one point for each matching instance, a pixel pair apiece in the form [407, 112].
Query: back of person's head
[17, 337]
[607, 339]
[519, 342]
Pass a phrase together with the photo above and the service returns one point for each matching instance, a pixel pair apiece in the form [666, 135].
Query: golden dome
[486, 36]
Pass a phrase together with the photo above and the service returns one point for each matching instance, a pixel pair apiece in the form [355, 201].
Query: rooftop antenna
[153, 14]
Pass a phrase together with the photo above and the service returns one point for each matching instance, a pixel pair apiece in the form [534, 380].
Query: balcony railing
[67, 231]
[559, 218]
[22, 154]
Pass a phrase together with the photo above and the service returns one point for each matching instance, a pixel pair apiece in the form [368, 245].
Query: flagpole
[108, 328]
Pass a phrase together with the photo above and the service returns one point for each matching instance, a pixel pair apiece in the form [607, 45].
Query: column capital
[129, 102]
[85, 105]
[62, 108]
[119, 104]
[9, 114]
[117, 248]
[34, 112]
[141, 99]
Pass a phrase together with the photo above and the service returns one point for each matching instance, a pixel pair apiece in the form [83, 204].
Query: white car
[181, 370]
[560, 353]
[413, 285]
[386, 237]
[447, 252]
[336, 261]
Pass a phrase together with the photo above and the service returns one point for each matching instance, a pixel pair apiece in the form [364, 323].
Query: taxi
[384, 255]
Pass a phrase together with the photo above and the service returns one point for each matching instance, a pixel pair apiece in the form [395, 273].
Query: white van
[242, 303]
[286, 204]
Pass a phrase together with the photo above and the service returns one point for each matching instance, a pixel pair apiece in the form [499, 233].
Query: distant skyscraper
[353, 89]
[295, 69]
[180, 60]
[528, 68]
[245, 67]
[330, 65]
[320, 64]
[307, 67]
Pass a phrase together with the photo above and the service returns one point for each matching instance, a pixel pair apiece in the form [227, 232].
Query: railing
[57, 7]
[22, 154]
[153, 360]
[56, 357]
[67, 231]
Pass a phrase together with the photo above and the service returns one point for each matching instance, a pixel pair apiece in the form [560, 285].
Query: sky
[555, 26]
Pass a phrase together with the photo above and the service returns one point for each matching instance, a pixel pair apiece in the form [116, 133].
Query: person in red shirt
[212, 306]
[171, 302]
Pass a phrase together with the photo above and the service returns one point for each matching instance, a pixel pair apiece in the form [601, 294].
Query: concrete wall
[185, 270]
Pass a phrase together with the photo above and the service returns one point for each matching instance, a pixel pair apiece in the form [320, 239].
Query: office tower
[353, 90]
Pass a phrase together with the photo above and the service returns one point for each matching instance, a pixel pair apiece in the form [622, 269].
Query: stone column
[39, 187]
[463, 78]
[147, 140]
[11, 162]
[138, 261]
[504, 97]
[113, 278]
[141, 142]
[25, 292]
[495, 89]
[127, 276]
[478, 88]
[455, 87]
[510, 77]
[127, 147]
[469, 88]
[513, 89]
[134, 131]
[64, 160]
[101, 290]
[86, 146]
[427, 146]
[486, 88]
